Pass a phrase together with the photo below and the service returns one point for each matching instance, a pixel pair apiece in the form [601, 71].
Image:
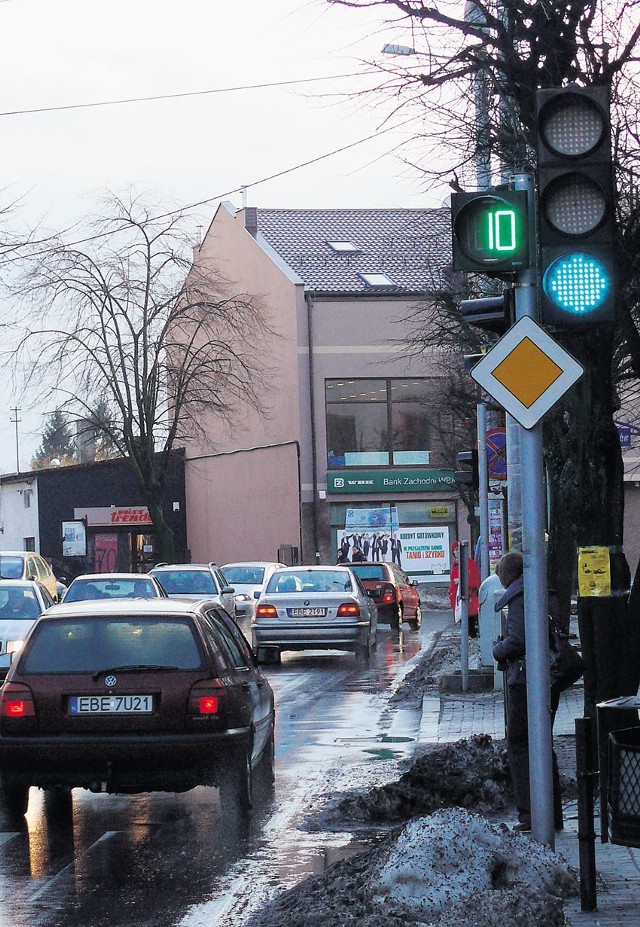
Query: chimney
[251, 220]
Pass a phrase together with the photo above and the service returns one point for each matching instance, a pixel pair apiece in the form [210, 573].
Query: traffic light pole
[483, 489]
[535, 586]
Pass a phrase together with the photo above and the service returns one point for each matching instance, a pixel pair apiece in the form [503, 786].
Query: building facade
[348, 451]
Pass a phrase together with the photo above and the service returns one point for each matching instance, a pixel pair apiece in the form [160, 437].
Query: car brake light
[348, 609]
[206, 697]
[17, 702]
[389, 595]
[266, 611]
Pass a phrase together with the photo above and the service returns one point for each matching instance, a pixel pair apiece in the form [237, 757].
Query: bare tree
[124, 316]
[472, 84]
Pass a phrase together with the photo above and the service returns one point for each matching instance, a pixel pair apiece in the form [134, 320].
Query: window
[377, 280]
[378, 423]
[343, 247]
[26, 498]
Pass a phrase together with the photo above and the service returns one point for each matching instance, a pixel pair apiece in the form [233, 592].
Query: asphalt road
[163, 860]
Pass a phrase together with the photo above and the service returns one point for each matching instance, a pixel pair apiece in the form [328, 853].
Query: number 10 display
[490, 231]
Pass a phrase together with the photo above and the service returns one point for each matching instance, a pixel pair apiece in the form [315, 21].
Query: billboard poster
[425, 552]
[382, 518]
[74, 539]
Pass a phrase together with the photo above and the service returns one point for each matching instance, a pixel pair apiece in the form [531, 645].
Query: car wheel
[416, 623]
[58, 804]
[363, 653]
[395, 619]
[268, 760]
[14, 800]
[237, 788]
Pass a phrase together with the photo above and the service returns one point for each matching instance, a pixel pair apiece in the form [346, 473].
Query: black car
[134, 696]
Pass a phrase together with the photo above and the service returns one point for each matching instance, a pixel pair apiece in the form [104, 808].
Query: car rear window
[187, 582]
[18, 603]
[11, 567]
[89, 590]
[89, 645]
[370, 571]
[310, 581]
[248, 575]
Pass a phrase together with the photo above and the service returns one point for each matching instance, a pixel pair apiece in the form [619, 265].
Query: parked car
[395, 595]
[26, 564]
[22, 601]
[132, 696]
[248, 578]
[195, 581]
[114, 586]
[314, 607]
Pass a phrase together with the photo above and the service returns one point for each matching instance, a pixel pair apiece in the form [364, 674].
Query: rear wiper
[133, 668]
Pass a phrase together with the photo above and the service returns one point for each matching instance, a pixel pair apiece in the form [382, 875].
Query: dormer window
[343, 247]
[377, 280]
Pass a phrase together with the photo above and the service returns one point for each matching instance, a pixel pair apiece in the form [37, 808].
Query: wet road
[162, 860]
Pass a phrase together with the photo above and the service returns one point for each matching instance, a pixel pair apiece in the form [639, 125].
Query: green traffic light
[490, 231]
[577, 283]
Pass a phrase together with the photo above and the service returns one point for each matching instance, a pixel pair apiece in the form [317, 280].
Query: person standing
[510, 654]
[396, 549]
[473, 578]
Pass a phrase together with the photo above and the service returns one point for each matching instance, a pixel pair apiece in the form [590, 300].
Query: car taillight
[389, 595]
[266, 611]
[206, 697]
[17, 701]
[347, 609]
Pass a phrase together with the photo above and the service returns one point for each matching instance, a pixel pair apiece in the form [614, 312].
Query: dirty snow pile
[451, 868]
[470, 773]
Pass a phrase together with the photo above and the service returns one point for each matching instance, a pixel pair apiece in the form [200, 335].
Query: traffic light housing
[576, 204]
[490, 313]
[490, 231]
[469, 477]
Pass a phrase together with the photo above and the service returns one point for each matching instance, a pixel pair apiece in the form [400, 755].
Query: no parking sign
[497, 454]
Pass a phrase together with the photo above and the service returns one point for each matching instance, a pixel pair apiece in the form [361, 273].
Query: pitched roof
[410, 246]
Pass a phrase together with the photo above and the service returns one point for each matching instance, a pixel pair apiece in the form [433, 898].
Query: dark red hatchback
[134, 696]
[395, 595]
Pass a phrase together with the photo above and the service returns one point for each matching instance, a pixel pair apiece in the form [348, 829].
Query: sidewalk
[447, 718]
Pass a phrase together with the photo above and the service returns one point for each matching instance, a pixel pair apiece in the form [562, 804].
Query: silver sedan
[311, 608]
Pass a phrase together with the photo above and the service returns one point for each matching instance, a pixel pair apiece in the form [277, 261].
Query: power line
[220, 196]
[177, 96]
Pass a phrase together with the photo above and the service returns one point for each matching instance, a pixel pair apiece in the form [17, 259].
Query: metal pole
[16, 420]
[483, 492]
[586, 771]
[535, 589]
[463, 592]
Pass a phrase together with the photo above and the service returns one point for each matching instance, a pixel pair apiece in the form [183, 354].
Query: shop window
[378, 423]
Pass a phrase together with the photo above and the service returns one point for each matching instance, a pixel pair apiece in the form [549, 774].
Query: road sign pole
[532, 493]
[483, 491]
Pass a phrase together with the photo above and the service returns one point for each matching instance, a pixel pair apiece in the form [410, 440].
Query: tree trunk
[584, 462]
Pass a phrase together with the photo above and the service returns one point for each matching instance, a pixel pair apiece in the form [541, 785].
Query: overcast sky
[57, 53]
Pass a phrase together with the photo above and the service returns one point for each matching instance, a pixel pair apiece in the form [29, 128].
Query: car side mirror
[257, 594]
[415, 582]
[228, 590]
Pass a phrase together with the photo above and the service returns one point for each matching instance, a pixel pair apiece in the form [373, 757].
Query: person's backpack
[566, 665]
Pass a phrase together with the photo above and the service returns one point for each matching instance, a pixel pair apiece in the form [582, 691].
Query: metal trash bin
[623, 787]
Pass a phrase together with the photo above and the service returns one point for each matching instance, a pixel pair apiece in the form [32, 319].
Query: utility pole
[15, 411]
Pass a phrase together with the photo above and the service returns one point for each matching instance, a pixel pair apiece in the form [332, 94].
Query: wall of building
[19, 513]
[243, 506]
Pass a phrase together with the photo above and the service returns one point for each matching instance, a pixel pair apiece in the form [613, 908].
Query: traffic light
[490, 313]
[575, 206]
[490, 231]
[470, 477]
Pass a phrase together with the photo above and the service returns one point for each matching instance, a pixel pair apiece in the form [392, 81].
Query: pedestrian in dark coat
[510, 654]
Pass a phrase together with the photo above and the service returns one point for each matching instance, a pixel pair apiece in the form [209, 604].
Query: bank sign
[390, 481]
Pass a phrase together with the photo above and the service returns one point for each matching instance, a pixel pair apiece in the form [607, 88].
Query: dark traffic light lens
[577, 283]
[574, 204]
[571, 125]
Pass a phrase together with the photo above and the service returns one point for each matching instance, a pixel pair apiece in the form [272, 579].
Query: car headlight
[242, 597]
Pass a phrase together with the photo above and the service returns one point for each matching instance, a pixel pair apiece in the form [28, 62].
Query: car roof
[250, 563]
[131, 608]
[97, 577]
[22, 583]
[183, 566]
[316, 567]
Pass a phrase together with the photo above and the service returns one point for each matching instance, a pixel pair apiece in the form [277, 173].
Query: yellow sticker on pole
[594, 571]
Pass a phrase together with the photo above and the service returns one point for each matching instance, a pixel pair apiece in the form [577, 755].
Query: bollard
[587, 774]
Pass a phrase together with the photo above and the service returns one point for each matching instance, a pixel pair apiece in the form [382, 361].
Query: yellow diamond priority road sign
[527, 372]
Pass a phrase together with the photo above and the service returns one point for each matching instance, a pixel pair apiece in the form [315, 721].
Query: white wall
[17, 521]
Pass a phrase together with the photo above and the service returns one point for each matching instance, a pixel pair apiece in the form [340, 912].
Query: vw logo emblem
[306, 602]
[110, 680]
